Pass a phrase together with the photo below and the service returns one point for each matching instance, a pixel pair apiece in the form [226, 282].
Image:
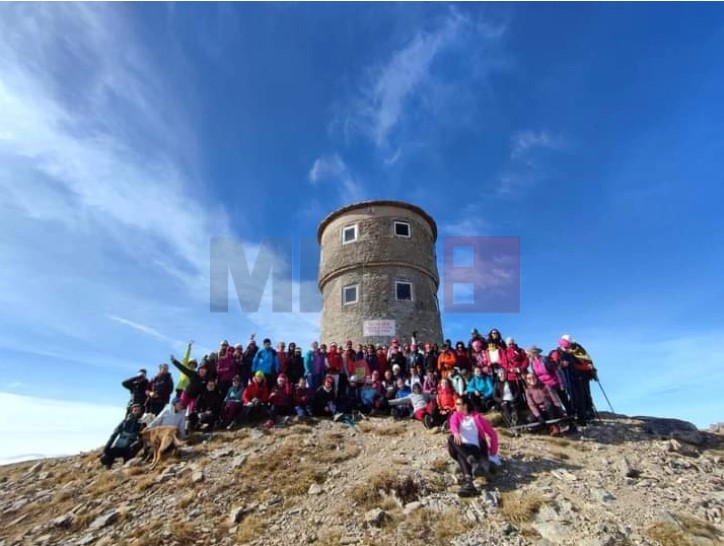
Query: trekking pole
[604, 394]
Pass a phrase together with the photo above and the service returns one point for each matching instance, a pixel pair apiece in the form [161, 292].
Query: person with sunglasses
[468, 444]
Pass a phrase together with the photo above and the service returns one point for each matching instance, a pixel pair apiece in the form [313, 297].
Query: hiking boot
[269, 423]
[555, 430]
[337, 416]
[427, 421]
[467, 489]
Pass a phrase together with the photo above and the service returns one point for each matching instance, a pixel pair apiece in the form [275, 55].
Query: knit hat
[259, 374]
[509, 341]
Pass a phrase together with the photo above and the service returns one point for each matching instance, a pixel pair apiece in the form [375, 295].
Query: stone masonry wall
[374, 262]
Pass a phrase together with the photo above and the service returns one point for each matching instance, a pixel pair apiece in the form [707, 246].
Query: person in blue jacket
[480, 390]
[266, 361]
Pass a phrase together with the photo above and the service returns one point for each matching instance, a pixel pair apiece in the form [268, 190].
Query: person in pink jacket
[468, 444]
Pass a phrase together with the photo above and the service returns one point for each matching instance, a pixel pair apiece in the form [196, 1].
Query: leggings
[460, 453]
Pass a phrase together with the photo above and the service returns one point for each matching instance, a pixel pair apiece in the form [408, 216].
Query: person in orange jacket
[446, 361]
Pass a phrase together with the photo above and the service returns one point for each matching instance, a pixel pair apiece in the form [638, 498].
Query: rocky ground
[625, 481]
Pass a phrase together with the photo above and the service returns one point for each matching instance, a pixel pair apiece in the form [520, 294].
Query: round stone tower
[378, 274]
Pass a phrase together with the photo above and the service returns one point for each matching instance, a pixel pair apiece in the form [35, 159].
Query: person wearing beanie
[325, 399]
[124, 441]
[516, 360]
[233, 404]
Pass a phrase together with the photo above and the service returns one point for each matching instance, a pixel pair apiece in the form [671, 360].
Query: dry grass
[558, 454]
[185, 501]
[184, 532]
[372, 494]
[520, 508]
[250, 529]
[283, 472]
[384, 428]
[495, 419]
[335, 448]
[440, 465]
[136, 470]
[145, 483]
[425, 526]
[687, 531]
[104, 483]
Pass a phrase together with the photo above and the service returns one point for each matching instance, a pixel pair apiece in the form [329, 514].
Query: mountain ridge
[626, 480]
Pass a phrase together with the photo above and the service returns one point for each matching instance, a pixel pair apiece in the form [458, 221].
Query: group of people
[449, 386]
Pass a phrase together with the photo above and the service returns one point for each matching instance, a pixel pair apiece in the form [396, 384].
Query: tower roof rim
[376, 203]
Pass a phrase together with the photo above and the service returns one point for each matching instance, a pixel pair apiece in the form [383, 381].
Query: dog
[160, 439]
[147, 418]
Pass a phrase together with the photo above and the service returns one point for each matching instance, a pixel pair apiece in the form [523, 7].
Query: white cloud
[333, 168]
[526, 168]
[41, 427]
[409, 76]
[523, 142]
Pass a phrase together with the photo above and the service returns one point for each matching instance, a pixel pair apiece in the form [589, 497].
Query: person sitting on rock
[468, 446]
[422, 405]
[445, 399]
[402, 392]
[233, 405]
[172, 416]
[208, 408]
[256, 399]
[509, 398]
[480, 390]
[389, 388]
[348, 397]
[543, 403]
[430, 383]
[303, 398]
[325, 400]
[125, 441]
[282, 397]
[371, 400]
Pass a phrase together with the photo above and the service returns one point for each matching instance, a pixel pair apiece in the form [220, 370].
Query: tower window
[403, 290]
[350, 294]
[349, 234]
[402, 229]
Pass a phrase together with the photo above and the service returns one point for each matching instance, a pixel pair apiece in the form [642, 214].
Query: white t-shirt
[507, 393]
[495, 356]
[469, 431]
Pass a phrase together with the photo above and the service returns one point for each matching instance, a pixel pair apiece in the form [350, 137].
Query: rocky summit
[622, 481]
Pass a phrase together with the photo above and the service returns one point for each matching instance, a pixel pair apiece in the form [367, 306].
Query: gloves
[495, 459]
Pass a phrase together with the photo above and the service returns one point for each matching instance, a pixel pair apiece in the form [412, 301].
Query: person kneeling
[125, 441]
[468, 445]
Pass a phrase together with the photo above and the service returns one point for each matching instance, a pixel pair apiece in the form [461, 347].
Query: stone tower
[378, 274]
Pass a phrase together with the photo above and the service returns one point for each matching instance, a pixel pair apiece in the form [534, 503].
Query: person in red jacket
[335, 364]
[282, 397]
[255, 399]
[516, 361]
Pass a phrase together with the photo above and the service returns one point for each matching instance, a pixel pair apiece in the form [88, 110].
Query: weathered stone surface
[375, 517]
[104, 520]
[374, 262]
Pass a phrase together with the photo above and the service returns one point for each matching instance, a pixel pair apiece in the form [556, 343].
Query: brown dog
[161, 439]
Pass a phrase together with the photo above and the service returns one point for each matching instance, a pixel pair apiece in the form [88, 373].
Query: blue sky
[131, 136]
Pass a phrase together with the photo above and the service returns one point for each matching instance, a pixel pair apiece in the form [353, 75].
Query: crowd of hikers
[448, 386]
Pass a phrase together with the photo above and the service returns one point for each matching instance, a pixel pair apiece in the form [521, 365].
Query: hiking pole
[604, 394]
